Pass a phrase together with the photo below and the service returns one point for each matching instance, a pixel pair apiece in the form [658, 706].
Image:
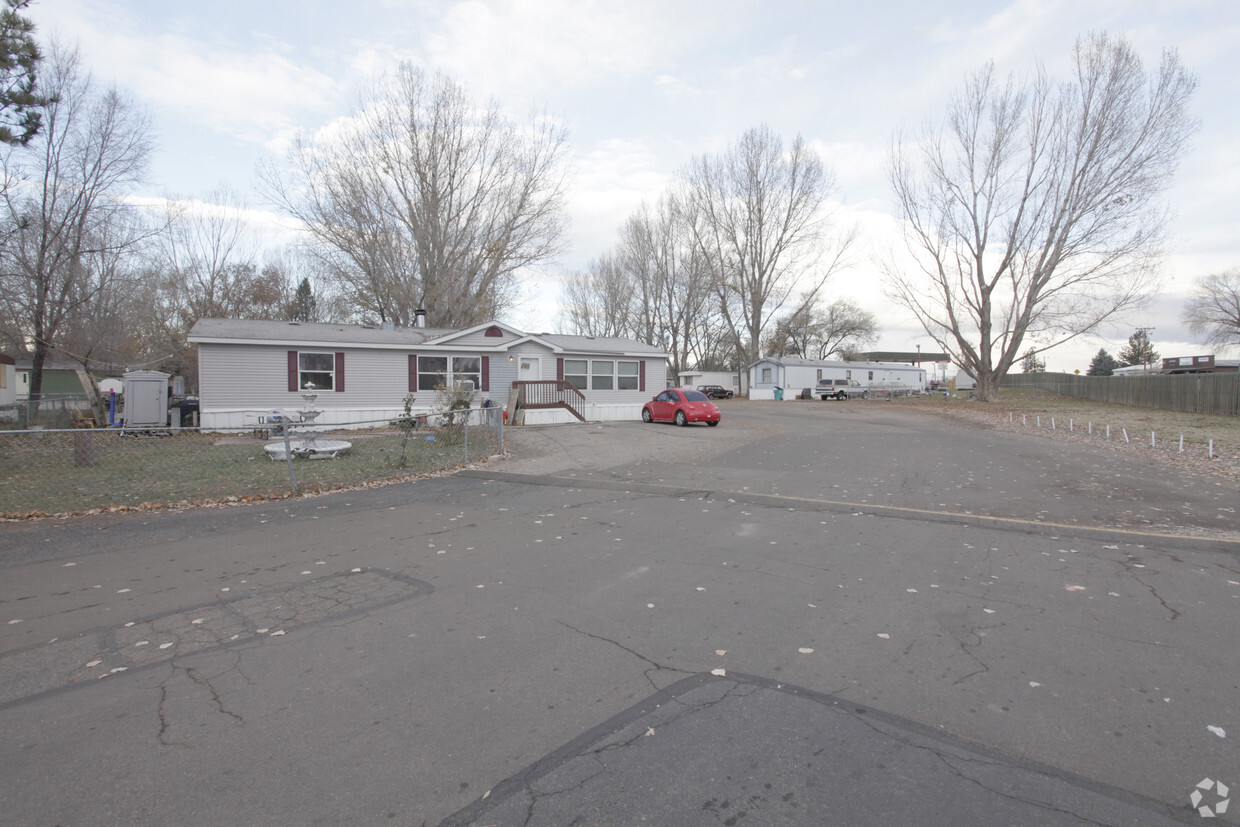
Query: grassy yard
[59, 473]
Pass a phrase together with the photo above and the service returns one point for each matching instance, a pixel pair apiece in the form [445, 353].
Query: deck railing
[549, 393]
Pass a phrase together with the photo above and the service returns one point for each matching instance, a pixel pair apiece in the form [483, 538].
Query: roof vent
[419, 317]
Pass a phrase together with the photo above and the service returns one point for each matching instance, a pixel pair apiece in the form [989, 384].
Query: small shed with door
[146, 399]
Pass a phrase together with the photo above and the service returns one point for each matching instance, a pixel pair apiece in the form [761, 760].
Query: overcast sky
[645, 86]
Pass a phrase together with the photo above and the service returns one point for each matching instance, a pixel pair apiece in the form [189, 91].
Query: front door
[529, 370]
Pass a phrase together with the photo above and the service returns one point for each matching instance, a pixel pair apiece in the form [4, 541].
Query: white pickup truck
[840, 389]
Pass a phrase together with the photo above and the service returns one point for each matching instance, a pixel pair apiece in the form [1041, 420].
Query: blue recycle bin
[779, 394]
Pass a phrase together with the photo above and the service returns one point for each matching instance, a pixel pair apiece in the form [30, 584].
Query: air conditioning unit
[467, 386]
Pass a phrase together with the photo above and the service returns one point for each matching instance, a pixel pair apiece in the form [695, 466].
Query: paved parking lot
[627, 624]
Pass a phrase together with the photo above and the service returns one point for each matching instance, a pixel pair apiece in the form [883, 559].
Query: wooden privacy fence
[1206, 393]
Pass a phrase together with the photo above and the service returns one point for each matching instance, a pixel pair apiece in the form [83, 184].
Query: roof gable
[489, 334]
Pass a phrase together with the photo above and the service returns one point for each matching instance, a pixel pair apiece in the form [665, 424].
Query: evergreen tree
[305, 305]
[20, 107]
[1030, 363]
[1103, 364]
[1138, 351]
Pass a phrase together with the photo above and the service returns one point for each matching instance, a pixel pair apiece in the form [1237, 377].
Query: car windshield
[695, 396]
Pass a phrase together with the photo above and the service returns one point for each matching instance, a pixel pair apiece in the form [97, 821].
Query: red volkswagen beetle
[682, 406]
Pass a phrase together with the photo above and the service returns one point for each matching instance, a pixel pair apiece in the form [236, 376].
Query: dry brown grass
[1045, 414]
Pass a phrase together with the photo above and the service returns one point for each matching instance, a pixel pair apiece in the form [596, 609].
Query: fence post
[288, 456]
[467, 436]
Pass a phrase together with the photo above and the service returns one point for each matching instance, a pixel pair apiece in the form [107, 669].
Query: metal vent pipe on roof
[419, 317]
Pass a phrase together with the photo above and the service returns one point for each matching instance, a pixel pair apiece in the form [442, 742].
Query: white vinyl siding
[255, 377]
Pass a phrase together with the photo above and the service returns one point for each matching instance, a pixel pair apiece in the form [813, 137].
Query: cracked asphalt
[815, 613]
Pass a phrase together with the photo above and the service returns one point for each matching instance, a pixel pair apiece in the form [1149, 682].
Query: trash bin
[779, 394]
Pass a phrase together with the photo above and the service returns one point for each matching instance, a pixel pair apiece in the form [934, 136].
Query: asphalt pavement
[816, 613]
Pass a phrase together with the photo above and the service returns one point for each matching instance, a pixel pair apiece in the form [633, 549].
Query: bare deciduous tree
[653, 286]
[424, 200]
[671, 292]
[816, 332]
[598, 302]
[1213, 309]
[63, 210]
[1034, 208]
[755, 215]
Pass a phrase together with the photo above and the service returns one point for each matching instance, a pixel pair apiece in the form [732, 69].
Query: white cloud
[674, 87]
[527, 47]
[224, 86]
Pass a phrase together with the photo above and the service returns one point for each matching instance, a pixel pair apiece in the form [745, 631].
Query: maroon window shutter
[486, 374]
[559, 370]
[292, 371]
[339, 373]
[413, 372]
[641, 376]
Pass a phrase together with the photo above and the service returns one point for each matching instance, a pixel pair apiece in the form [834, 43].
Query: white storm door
[529, 370]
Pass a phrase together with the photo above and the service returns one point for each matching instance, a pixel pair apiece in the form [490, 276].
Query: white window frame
[305, 374]
[451, 376]
[579, 380]
[623, 379]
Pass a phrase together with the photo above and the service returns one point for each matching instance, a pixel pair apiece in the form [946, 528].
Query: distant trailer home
[794, 374]
[249, 369]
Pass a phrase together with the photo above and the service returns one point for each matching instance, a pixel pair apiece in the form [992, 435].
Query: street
[867, 608]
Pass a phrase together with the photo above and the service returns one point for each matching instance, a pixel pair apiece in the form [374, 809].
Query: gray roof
[303, 333]
[598, 344]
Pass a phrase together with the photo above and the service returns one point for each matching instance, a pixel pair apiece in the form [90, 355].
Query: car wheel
[865, 394]
[681, 419]
[841, 395]
[729, 396]
[646, 415]
[713, 424]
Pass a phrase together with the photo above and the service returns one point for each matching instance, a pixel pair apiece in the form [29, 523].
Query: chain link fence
[48, 472]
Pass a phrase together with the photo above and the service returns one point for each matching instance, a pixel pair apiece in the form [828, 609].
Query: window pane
[317, 361]
[466, 364]
[601, 383]
[602, 368]
[432, 372]
[321, 381]
[575, 373]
